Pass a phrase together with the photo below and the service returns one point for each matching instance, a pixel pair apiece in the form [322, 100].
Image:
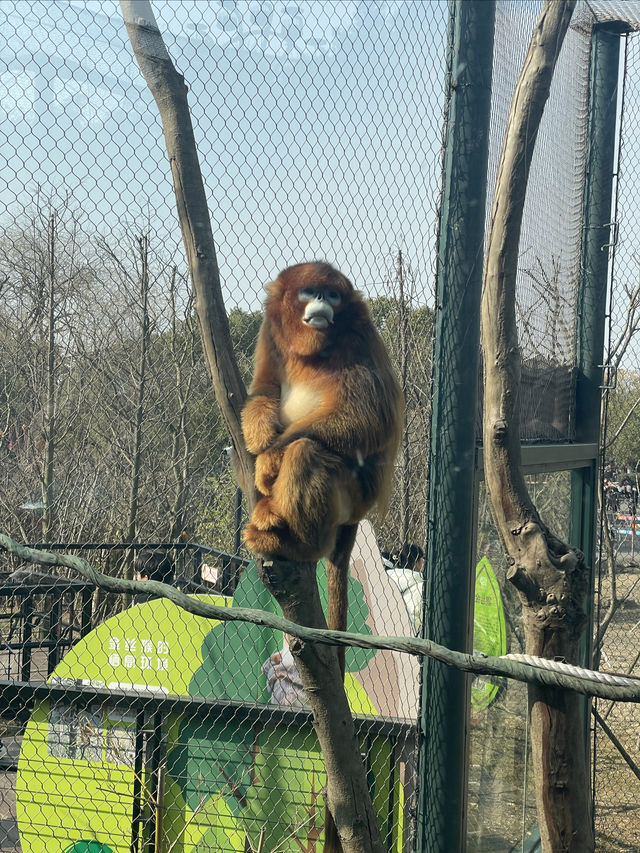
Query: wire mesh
[616, 727]
[550, 242]
[319, 128]
[315, 141]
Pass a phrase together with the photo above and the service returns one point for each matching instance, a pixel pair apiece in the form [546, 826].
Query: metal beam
[603, 104]
[597, 238]
[550, 457]
[447, 617]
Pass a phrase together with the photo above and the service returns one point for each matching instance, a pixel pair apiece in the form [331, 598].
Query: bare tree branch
[603, 685]
[551, 577]
[170, 93]
[623, 424]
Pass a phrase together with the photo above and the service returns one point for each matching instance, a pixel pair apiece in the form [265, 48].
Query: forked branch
[550, 576]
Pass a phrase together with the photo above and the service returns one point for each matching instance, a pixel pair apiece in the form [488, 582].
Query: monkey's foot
[262, 541]
[267, 470]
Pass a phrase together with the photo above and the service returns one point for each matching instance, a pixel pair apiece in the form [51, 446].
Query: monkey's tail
[337, 584]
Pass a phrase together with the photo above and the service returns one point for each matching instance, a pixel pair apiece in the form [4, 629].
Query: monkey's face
[307, 306]
[320, 305]
[312, 316]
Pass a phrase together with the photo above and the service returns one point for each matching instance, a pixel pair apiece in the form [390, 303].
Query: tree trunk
[141, 380]
[551, 577]
[50, 405]
[403, 361]
[181, 441]
[170, 93]
[296, 591]
[293, 585]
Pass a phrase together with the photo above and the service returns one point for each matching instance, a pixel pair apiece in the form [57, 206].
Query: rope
[590, 675]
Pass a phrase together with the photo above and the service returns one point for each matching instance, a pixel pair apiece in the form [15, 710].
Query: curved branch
[551, 577]
[170, 93]
[499, 331]
[519, 667]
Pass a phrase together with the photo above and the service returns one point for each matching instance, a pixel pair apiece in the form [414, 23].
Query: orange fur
[324, 418]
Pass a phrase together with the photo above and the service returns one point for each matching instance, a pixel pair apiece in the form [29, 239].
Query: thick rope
[590, 675]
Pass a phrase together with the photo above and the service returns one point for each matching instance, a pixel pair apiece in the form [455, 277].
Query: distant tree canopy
[103, 376]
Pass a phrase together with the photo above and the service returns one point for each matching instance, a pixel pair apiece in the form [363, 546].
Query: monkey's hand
[261, 422]
[267, 469]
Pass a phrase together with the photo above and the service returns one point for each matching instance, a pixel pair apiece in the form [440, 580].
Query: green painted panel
[75, 776]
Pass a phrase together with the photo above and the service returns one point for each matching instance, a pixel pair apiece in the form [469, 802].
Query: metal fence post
[597, 237]
[597, 231]
[450, 554]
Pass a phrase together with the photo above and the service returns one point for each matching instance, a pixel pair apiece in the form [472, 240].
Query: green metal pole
[603, 88]
[442, 757]
[603, 102]
[592, 304]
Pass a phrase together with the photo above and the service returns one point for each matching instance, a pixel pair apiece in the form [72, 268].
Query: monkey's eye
[307, 294]
[334, 298]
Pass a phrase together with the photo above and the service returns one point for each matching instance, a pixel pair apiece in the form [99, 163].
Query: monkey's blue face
[320, 306]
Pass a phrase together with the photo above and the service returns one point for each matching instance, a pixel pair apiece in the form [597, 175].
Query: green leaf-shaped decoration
[233, 652]
[214, 758]
[287, 795]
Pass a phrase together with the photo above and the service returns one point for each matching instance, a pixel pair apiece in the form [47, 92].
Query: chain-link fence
[319, 129]
[315, 140]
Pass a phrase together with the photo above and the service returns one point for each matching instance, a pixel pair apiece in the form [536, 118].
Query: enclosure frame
[453, 501]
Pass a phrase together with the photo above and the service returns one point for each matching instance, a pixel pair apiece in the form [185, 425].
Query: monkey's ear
[274, 289]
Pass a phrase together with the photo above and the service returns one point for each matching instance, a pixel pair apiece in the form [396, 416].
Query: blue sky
[318, 126]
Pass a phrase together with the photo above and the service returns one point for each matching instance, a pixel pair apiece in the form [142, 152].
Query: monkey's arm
[261, 414]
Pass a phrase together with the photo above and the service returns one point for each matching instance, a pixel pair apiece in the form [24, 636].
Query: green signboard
[224, 781]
